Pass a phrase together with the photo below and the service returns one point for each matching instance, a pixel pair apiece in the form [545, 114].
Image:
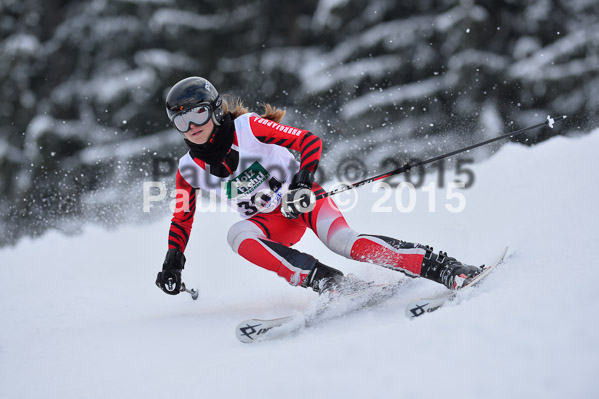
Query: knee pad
[341, 242]
[240, 231]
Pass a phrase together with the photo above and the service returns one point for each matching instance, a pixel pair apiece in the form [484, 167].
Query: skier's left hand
[299, 198]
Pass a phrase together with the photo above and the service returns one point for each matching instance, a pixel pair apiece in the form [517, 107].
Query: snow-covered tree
[82, 85]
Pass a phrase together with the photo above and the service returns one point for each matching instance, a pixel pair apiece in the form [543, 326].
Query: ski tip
[422, 306]
[254, 330]
[247, 331]
[505, 254]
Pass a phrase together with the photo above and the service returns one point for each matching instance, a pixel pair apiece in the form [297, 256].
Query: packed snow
[81, 317]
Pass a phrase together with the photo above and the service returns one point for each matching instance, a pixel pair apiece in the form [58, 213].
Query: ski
[325, 308]
[421, 306]
[253, 330]
[328, 308]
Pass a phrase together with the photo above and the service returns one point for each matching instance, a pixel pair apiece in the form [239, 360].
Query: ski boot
[447, 270]
[323, 279]
[326, 280]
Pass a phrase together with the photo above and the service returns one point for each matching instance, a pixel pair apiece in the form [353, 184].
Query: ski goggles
[199, 116]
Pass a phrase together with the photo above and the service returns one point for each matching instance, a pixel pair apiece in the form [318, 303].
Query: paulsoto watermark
[397, 193]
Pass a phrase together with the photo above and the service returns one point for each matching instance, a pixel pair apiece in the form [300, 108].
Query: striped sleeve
[182, 220]
[308, 144]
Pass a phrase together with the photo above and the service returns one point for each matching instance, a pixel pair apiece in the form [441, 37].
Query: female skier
[245, 158]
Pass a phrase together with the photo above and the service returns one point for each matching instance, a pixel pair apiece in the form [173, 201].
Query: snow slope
[81, 317]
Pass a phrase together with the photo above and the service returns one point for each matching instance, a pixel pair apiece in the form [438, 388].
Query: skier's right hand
[169, 279]
[299, 198]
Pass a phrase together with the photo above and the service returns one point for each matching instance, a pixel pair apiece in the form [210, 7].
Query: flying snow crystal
[125, 122]
[468, 30]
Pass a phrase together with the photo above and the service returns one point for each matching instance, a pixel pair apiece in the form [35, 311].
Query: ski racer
[245, 157]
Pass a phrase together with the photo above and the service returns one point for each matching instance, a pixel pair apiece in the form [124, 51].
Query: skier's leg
[332, 229]
[265, 240]
[412, 259]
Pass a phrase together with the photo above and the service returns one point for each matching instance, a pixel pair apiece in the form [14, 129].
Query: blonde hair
[235, 106]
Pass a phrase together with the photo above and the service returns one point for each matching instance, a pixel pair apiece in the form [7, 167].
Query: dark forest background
[82, 85]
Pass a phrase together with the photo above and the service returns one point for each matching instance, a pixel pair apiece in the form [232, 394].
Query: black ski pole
[549, 122]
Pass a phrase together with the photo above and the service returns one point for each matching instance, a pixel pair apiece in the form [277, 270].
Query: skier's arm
[169, 279]
[307, 143]
[183, 216]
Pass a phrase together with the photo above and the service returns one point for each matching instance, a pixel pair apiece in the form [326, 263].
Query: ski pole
[406, 167]
[193, 292]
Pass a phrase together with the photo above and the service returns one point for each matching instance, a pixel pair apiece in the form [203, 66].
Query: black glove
[299, 198]
[169, 279]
